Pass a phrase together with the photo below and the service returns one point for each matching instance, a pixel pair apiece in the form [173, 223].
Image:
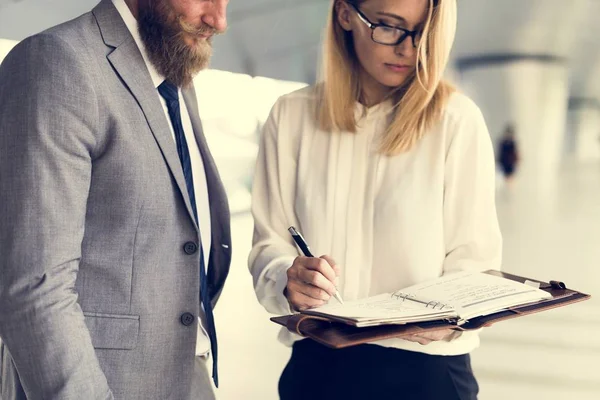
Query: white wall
[583, 129]
[27, 17]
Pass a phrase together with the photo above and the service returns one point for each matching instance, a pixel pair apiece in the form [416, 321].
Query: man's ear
[343, 14]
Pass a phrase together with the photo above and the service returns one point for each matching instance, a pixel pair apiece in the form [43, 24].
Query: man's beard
[163, 34]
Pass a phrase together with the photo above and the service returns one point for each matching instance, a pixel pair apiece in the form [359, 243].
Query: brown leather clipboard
[338, 335]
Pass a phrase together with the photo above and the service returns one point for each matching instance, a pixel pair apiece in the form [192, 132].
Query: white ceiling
[517, 26]
[280, 38]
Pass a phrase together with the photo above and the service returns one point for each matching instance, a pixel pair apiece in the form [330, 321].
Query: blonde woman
[389, 171]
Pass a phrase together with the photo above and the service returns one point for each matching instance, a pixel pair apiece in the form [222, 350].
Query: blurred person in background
[508, 155]
[389, 171]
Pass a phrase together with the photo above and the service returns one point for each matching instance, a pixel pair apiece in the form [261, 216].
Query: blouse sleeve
[471, 231]
[273, 250]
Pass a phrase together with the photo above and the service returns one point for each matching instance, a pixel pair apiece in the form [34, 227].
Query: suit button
[187, 319]
[190, 248]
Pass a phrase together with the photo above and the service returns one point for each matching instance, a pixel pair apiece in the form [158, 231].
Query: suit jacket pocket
[113, 331]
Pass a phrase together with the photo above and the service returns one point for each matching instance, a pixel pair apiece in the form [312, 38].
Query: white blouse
[389, 222]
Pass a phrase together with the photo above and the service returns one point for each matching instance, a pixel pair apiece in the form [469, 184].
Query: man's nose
[216, 15]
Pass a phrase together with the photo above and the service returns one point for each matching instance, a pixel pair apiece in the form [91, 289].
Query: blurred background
[533, 65]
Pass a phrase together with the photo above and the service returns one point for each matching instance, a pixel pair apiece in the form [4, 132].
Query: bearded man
[114, 225]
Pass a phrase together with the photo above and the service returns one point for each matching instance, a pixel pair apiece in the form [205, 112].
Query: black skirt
[374, 372]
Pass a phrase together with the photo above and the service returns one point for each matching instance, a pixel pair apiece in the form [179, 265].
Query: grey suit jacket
[94, 216]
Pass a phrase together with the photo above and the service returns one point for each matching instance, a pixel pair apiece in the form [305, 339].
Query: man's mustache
[203, 30]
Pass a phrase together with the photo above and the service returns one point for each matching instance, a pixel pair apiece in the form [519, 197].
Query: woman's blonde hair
[419, 102]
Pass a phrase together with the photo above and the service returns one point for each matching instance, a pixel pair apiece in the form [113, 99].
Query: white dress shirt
[200, 186]
[389, 222]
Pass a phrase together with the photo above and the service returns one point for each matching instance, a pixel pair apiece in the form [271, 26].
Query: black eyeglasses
[388, 35]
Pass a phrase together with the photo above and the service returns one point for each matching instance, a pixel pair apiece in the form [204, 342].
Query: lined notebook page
[475, 293]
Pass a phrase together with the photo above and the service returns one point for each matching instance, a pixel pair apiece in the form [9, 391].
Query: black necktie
[170, 93]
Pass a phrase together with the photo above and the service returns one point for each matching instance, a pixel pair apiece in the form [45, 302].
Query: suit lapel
[128, 63]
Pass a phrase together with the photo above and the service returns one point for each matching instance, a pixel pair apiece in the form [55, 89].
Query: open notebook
[460, 301]
[455, 297]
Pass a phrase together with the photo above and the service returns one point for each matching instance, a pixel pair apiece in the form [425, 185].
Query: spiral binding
[405, 296]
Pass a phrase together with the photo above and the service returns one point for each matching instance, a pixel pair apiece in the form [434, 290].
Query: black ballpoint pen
[306, 250]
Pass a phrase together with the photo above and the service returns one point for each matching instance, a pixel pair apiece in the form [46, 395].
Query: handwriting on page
[472, 295]
[463, 290]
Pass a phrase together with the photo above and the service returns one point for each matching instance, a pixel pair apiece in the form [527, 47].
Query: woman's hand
[311, 282]
[425, 338]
